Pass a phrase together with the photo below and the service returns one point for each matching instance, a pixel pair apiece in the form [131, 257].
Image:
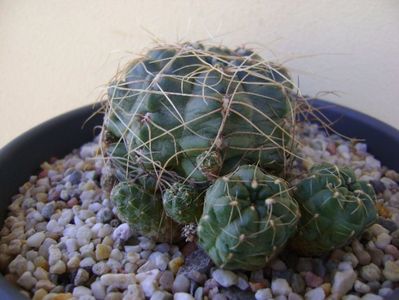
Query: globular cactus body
[247, 219]
[335, 208]
[177, 105]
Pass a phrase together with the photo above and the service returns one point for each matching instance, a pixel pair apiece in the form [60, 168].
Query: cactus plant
[247, 219]
[335, 208]
[182, 203]
[198, 113]
[138, 204]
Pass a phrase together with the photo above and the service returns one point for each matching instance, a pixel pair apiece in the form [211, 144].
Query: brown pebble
[72, 202]
[257, 286]
[39, 294]
[392, 250]
[327, 288]
[189, 248]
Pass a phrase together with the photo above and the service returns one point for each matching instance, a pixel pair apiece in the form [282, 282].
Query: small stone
[81, 277]
[73, 262]
[377, 229]
[225, 278]
[278, 265]
[385, 292]
[361, 287]
[146, 243]
[298, 283]
[182, 296]
[166, 280]
[132, 257]
[362, 255]
[81, 291]
[349, 256]
[100, 268]
[87, 262]
[40, 273]
[280, 287]
[370, 272]
[45, 284]
[54, 254]
[377, 256]
[118, 280]
[103, 251]
[263, 294]
[315, 294]
[116, 254]
[294, 296]
[372, 297]
[383, 240]
[27, 280]
[58, 268]
[181, 284]
[134, 291]
[83, 235]
[313, 280]
[392, 250]
[104, 215]
[58, 296]
[160, 260]
[48, 210]
[122, 232]
[98, 290]
[197, 261]
[36, 239]
[343, 282]
[242, 283]
[39, 294]
[175, 264]
[161, 295]
[388, 224]
[391, 271]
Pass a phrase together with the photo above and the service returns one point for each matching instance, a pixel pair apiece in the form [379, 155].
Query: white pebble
[383, 240]
[83, 235]
[98, 290]
[263, 294]
[121, 281]
[280, 287]
[58, 268]
[343, 282]
[80, 291]
[87, 262]
[225, 278]
[55, 254]
[182, 296]
[315, 294]
[122, 232]
[370, 296]
[134, 291]
[27, 281]
[36, 239]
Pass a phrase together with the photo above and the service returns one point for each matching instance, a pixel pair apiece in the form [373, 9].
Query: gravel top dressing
[61, 240]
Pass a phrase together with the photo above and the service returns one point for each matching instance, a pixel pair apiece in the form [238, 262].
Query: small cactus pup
[140, 206]
[199, 113]
[335, 209]
[247, 219]
[183, 203]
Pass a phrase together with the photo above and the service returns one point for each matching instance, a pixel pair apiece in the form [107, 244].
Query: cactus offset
[335, 208]
[247, 219]
[141, 207]
[182, 203]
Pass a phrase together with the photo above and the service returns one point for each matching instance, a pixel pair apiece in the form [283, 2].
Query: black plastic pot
[58, 136]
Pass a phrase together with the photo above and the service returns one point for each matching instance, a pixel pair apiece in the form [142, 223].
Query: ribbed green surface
[139, 206]
[179, 102]
[248, 217]
[183, 203]
[335, 208]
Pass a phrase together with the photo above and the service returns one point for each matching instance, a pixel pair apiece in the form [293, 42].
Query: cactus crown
[196, 113]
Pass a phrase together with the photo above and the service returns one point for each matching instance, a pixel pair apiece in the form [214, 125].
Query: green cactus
[141, 207]
[172, 108]
[183, 203]
[247, 219]
[335, 208]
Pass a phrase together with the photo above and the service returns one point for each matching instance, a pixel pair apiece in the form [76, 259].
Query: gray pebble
[181, 284]
[166, 280]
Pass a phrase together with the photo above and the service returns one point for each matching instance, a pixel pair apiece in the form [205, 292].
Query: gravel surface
[61, 240]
